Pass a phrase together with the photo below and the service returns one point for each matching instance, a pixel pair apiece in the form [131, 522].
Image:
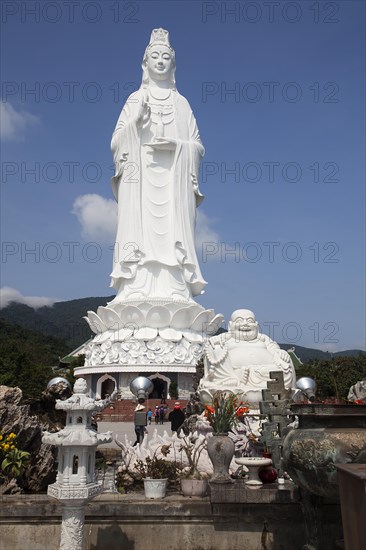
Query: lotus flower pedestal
[151, 336]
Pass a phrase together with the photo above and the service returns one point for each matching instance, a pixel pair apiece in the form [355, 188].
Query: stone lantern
[75, 481]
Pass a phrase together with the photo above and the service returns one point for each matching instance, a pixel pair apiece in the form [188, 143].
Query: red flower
[241, 411]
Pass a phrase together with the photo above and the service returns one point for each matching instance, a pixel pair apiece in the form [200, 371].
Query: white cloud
[207, 239]
[97, 216]
[13, 124]
[98, 220]
[8, 295]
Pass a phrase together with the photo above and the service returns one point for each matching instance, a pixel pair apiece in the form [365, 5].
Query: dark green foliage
[311, 354]
[173, 390]
[335, 376]
[26, 358]
[63, 320]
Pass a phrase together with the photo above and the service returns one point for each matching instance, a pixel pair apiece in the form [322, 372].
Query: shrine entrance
[160, 386]
[107, 387]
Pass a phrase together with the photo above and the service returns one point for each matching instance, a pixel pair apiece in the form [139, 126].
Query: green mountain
[309, 354]
[64, 320]
[27, 357]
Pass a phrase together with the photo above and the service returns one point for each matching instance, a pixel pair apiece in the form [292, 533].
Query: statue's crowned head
[243, 324]
[159, 59]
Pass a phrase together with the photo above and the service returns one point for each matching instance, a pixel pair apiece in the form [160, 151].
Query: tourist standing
[157, 414]
[176, 417]
[140, 421]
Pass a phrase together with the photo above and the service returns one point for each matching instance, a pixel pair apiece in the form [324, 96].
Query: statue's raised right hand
[143, 110]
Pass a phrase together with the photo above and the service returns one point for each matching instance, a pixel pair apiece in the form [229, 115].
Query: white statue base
[147, 333]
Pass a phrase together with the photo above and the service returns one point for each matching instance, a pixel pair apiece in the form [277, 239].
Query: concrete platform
[263, 520]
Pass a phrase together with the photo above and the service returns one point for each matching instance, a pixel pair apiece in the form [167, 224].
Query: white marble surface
[157, 152]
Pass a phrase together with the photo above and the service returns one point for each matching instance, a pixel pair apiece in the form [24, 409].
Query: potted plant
[155, 473]
[223, 415]
[193, 482]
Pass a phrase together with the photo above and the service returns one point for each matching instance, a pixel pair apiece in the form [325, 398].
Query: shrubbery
[334, 377]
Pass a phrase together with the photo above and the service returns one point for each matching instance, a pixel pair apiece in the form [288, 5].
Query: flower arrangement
[225, 411]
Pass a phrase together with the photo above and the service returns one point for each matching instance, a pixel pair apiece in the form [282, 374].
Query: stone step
[123, 410]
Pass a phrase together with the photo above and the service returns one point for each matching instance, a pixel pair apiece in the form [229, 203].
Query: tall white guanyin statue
[157, 152]
[241, 359]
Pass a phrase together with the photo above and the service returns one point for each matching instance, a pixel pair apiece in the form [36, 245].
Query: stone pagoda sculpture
[242, 359]
[77, 443]
[153, 324]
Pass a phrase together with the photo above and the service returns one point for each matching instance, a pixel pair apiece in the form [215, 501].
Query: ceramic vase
[220, 449]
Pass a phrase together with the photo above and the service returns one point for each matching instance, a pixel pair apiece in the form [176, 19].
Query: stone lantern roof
[78, 431]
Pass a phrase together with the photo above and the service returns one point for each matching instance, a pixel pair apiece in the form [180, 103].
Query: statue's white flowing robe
[157, 195]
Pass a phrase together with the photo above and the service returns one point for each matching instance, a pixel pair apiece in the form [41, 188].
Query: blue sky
[283, 174]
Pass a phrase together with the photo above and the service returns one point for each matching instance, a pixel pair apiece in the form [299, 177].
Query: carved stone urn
[327, 435]
[220, 449]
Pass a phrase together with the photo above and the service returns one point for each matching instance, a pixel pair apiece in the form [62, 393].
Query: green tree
[27, 358]
[173, 390]
[335, 376]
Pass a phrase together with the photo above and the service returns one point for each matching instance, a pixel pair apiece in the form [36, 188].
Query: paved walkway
[122, 428]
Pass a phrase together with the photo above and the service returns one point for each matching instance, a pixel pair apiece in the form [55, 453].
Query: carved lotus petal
[95, 322]
[168, 358]
[159, 346]
[119, 309]
[122, 334]
[173, 306]
[101, 338]
[123, 357]
[158, 316]
[91, 325]
[215, 324]
[131, 345]
[192, 336]
[133, 317]
[146, 333]
[202, 320]
[169, 333]
[110, 318]
[183, 318]
[180, 353]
